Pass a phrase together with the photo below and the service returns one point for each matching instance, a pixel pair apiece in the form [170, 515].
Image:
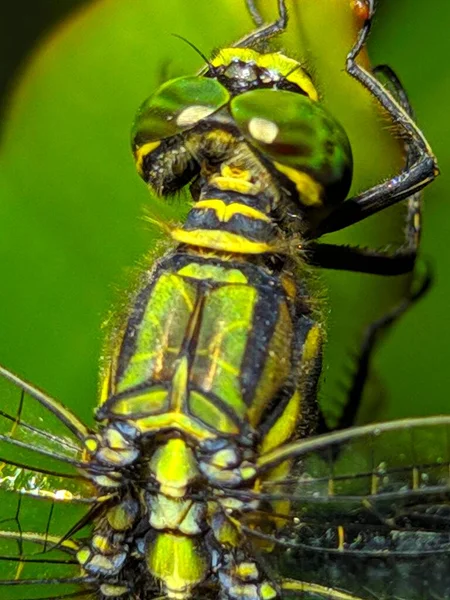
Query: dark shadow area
[22, 26]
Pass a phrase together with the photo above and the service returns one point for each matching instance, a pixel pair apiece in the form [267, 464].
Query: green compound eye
[303, 141]
[177, 106]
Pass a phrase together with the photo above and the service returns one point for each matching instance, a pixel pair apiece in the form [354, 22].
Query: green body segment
[219, 360]
[217, 364]
[210, 343]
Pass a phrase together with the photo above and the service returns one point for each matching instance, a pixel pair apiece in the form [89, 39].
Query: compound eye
[160, 152]
[302, 141]
[175, 107]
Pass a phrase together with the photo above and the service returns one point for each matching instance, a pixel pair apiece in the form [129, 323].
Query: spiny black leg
[370, 340]
[254, 12]
[378, 262]
[264, 32]
[414, 211]
[411, 180]
[361, 260]
[396, 87]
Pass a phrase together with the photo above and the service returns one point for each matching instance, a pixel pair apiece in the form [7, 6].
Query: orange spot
[361, 9]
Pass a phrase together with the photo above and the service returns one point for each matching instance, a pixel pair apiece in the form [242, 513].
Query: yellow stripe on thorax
[225, 212]
[221, 240]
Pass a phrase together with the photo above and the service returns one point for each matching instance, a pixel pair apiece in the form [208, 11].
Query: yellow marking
[221, 240]
[105, 481]
[91, 444]
[374, 484]
[216, 362]
[142, 356]
[331, 486]
[171, 420]
[116, 458]
[226, 366]
[289, 286]
[214, 351]
[116, 441]
[210, 376]
[193, 114]
[119, 518]
[101, 543]
[220, 136]
[141, 153]
[234, 179]
[199, 271]
[99, 561]
[309, 190]
[149, 401]
[83, 555]
[341, 537]
[225, 212]
[234, 185]
[416, 221]
[247, 570]
[248, 472]
[63, 495]
[293, 585]
[174, 467]
[113, 591]
[158, 354]
[19, 570]
[284, 426]
[267, 591]
[272, 61]
[205, 410]
[312, 344]
[178, 393]
[178, 283]
[223, 457]
[177, 563]
[14, 427]
[235, 172]
[105, 382]
[263, 130]
[415, 478]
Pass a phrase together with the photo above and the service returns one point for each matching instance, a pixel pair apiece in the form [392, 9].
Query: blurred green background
[73, 74]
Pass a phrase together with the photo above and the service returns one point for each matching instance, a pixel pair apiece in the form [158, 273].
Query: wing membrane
[34, 566]
[366, 511]
[407, 459]
[41, 444]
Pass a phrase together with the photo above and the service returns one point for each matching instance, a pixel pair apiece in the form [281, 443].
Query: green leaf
[71, 204]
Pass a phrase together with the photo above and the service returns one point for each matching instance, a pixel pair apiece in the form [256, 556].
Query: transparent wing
[41, 444]
[365, 511]
[34, 566]
[44, 494]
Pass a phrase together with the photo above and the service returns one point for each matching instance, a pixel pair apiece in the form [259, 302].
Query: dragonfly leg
[372, 336]
[263, 32]
[421, 165]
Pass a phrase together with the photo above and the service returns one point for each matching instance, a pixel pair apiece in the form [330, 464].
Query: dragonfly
[210, 470]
